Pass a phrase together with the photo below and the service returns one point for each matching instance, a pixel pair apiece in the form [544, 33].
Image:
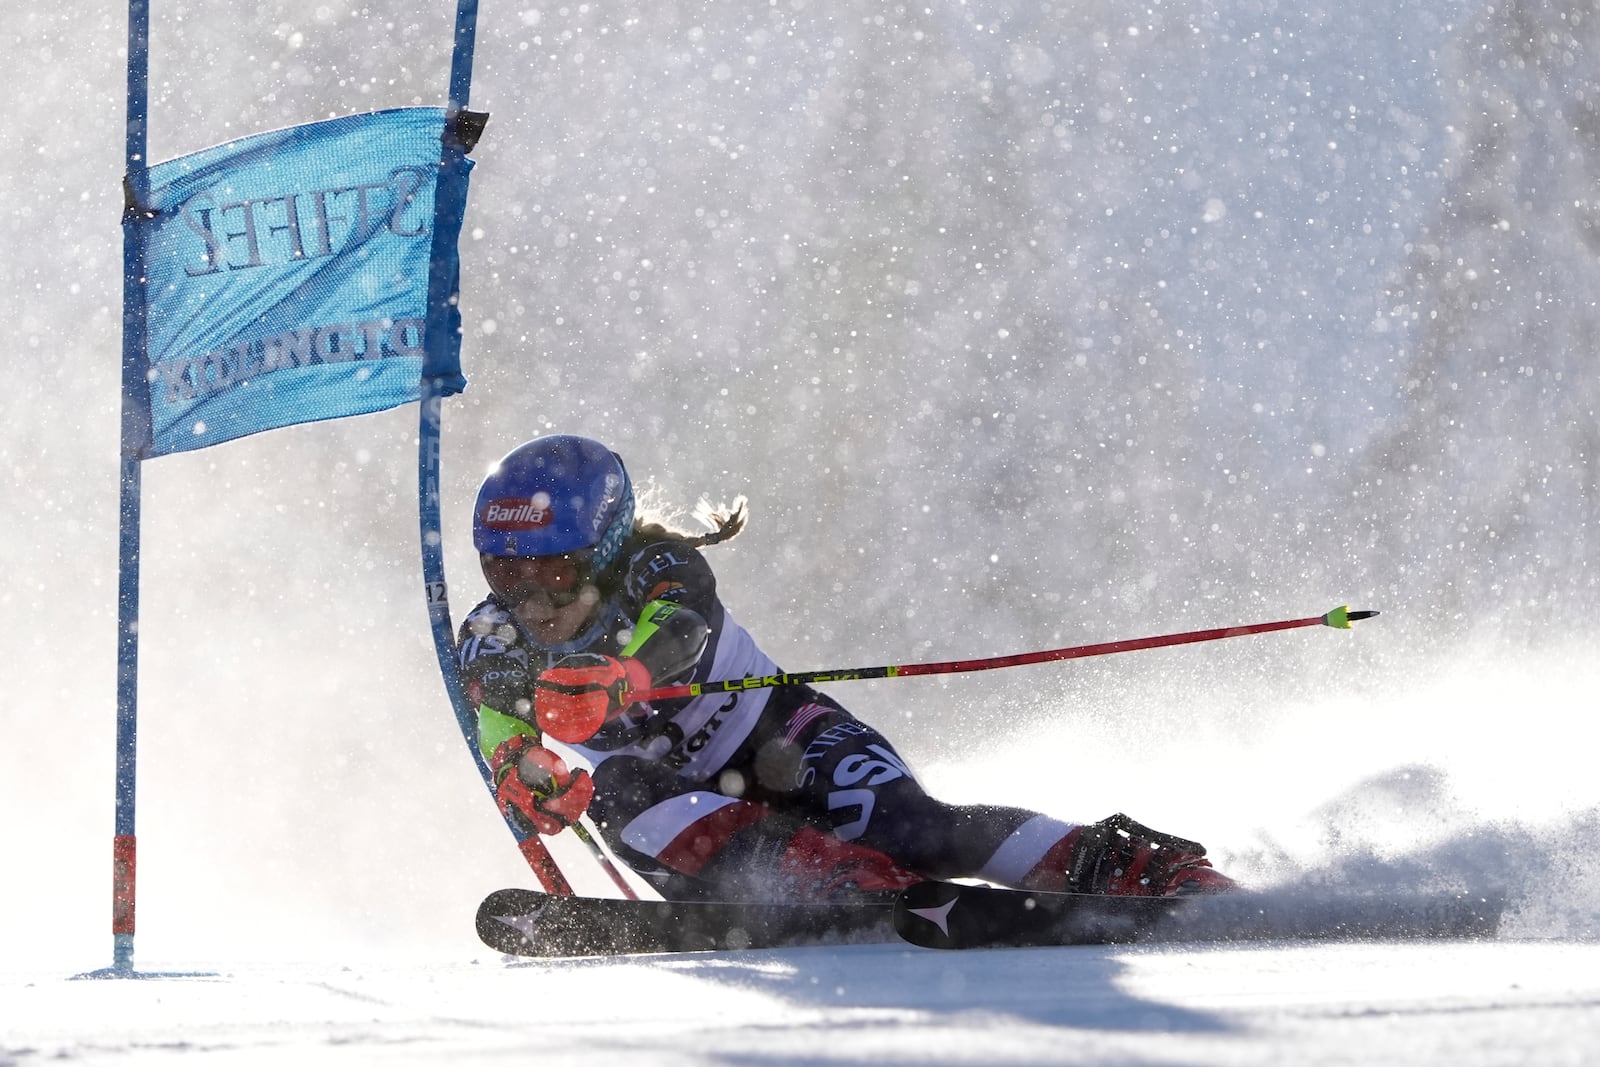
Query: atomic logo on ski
[939, 916]
[523, 923]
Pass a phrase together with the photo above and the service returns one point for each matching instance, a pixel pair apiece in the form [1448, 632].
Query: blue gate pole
[441, 376]
[441, 363]
[135, 431]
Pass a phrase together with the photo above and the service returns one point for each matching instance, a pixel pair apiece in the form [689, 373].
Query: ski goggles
[558, 580]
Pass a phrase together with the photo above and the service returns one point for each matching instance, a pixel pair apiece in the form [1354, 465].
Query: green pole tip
[1341, 617]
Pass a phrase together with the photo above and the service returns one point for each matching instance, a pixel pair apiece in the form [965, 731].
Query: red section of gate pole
[123, 881]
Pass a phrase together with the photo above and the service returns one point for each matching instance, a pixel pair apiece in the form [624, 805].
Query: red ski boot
[819, 866]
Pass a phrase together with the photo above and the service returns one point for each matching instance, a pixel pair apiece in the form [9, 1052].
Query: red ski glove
[1120, 857]
[534, 787]
[573, 699]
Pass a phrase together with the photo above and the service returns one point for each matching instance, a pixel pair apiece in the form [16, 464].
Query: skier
[765, 793]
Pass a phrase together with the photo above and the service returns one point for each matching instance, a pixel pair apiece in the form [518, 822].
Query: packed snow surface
[1461, 1004]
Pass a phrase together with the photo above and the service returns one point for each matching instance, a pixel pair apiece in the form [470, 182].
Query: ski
[948, 915]
[522, 922]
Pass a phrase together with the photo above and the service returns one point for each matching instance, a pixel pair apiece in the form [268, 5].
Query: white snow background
[1022, 325]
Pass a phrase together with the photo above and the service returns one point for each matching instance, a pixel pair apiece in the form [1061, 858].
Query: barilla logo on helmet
[514, 514]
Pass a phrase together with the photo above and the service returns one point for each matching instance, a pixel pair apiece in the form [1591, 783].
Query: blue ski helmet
[555, 495]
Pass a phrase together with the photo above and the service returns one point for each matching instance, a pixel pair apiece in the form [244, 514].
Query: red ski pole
[1339, 618]
[544, 867]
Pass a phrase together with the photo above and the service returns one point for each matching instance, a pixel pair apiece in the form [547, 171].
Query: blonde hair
[723, 522]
